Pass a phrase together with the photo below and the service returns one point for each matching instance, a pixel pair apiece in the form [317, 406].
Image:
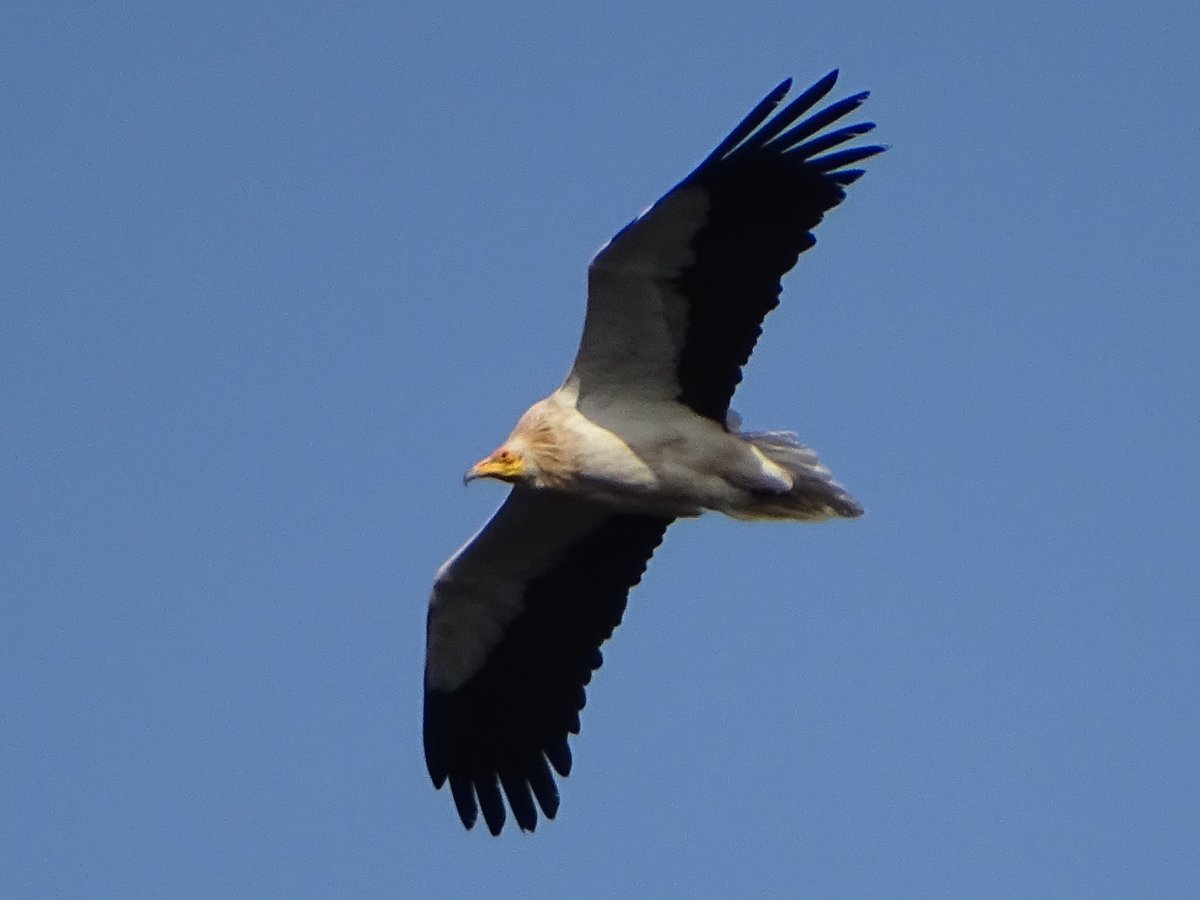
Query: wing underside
[676, 300]
[499, 731]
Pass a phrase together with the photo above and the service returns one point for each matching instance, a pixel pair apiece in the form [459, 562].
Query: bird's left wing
[515, 626]
[677, 298]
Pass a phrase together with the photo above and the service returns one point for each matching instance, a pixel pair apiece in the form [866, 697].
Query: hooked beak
[501, 465]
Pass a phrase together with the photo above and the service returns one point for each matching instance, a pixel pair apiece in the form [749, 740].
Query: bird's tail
[814, 495]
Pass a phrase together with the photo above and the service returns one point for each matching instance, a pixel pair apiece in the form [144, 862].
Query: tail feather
[814, 496]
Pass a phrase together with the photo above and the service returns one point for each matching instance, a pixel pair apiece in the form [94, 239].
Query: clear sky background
[273, 275]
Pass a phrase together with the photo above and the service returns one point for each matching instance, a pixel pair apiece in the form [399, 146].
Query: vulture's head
[504, 464]
[535, 454]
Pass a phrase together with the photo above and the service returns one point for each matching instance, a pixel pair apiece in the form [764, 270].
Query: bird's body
[661, 458]
[639, 434]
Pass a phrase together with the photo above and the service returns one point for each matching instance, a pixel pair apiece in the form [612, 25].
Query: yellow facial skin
[503, 465]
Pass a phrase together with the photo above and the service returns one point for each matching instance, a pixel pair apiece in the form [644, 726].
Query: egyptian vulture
[639, 434]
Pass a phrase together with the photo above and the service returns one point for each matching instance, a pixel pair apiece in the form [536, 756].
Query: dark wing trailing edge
[769, 183]
[506, 724]
[677, 298]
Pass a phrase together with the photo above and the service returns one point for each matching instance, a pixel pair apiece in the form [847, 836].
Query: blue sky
[270, 280]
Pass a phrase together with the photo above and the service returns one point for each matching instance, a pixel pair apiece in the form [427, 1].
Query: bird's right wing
[515, 626]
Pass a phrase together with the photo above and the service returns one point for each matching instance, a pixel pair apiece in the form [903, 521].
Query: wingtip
[464, 802]
[775, 97]
[817, 89]
[830, 162]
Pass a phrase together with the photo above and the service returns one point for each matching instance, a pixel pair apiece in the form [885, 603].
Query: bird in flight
[639, 434]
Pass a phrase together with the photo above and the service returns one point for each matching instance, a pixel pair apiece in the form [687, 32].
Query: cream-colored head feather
[537, 452]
